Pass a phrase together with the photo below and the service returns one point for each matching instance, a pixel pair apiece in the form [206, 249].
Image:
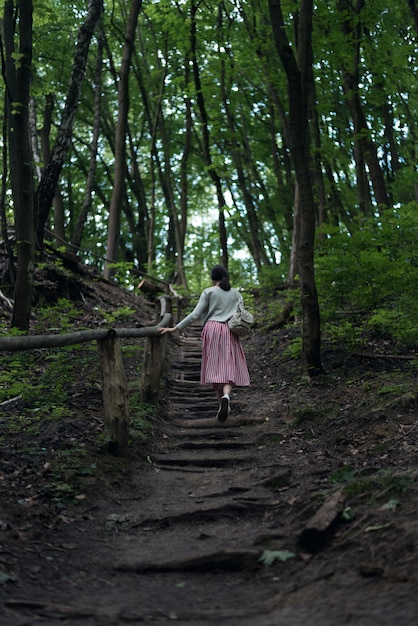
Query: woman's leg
[226, 389]
[218, 387]
[222, 389]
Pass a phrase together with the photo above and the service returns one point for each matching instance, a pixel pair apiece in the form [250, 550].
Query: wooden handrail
[114, 386]
[30, 342]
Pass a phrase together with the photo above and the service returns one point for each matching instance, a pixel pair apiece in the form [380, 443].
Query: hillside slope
[204, 523]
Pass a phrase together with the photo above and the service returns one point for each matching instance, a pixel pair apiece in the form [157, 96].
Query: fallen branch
[367, 355]
[319, 527]
[6, 301]
[10, 401]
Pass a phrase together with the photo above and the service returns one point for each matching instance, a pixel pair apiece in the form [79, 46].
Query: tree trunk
[78, 231]
[21, 169]
[206, 141]
[413, 7]
[44, 133]
[182, 279]
[297, 71]
[366, 149]
[47, 187]
[3, 217]
[120, 142]
[294, 256]
[257, 249]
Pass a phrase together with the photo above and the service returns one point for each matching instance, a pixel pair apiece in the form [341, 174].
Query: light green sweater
[214, 304]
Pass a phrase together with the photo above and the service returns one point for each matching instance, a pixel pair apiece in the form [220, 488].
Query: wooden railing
[114, 385]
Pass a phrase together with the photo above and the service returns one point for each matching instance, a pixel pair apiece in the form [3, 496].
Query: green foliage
[374, 483]
[270, 556]
[61, 316]
[59, 436]
[67, 474]
[366, 279]
[272, 276]
[122, 314]
[142, 418]
[294, 349]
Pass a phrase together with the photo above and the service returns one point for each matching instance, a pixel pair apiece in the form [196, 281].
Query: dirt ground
[210, 524]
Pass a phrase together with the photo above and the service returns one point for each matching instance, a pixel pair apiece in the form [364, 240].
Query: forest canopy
[164, 135]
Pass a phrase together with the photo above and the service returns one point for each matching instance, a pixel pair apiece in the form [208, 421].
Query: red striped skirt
[223, 359]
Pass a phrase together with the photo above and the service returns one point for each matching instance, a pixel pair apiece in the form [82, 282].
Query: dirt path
[207, 533]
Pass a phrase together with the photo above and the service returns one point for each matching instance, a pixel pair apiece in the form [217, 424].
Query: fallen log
[226, 560]
[148, 287]
[321, 525]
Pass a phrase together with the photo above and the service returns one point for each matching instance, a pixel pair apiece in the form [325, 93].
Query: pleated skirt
[223, 359]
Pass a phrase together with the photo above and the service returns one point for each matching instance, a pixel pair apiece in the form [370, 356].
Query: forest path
[183, 541]
[210, 511]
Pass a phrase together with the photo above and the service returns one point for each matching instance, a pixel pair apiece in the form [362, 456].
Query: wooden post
[153, 362]
[151, 374]
[115, 394]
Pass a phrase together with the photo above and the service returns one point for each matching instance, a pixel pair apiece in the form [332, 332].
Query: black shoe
[224, 409]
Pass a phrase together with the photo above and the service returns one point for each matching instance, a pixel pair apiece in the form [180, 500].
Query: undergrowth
[51, 411]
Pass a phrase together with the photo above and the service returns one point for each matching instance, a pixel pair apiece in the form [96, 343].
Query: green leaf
[5, 578]
[269, 556]
[391, 505]
[348, 514]
[371, 529]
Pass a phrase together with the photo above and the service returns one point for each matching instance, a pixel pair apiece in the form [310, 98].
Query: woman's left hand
[167, 330]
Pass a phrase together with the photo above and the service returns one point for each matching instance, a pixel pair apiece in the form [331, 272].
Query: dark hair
[220, 274]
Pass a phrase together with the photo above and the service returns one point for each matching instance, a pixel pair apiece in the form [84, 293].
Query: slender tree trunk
[34, 138]
[184, 188]
[318, 169]
[47, 187]
[243, 174]
[284, 190]
[4, 178]
[118, 193]
[44, 133]
[147, 210]
[140, 227]
[413, 7]
[296, 71]
[294, 256]
[21, 169]
[206, 141]
[366, 149]
[87, 203]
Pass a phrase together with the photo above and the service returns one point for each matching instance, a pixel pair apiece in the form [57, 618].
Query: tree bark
[413, 7]
[366, 151]
[120, 142]
[257, 249]
[87, 203]
[47, 187]
[18, 74]
[115, 395]
[58, 204]
[206, 141]
[297, 71]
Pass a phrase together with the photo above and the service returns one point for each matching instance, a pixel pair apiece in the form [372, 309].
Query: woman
[223, 361]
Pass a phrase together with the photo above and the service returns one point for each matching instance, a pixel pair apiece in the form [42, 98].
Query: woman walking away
[223, 361]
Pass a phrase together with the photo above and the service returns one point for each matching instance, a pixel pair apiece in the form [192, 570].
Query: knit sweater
[214, 304]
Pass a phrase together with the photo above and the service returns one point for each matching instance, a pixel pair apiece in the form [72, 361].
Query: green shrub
[366, 278]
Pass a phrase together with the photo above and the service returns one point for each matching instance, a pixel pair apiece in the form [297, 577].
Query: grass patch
[373, 483]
